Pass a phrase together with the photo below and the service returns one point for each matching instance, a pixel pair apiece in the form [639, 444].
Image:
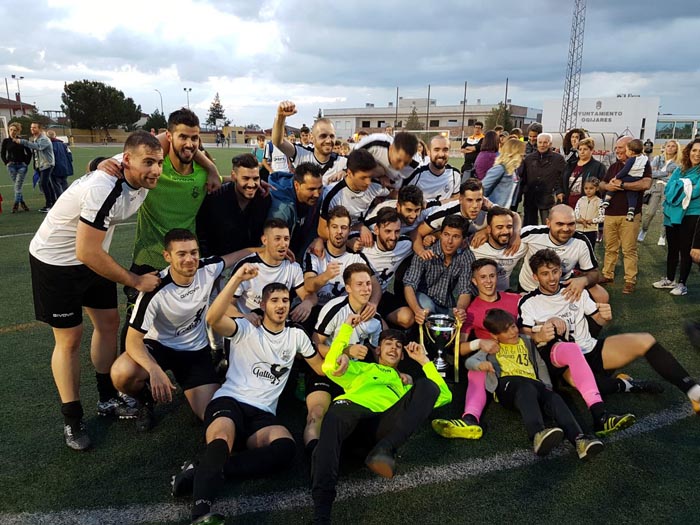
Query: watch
[622, 185]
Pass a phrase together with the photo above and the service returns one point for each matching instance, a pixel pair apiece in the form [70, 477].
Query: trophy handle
[456, 364]
[420, 335]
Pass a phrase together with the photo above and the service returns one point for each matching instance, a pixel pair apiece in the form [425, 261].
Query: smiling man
[438, 180]
[72, 269]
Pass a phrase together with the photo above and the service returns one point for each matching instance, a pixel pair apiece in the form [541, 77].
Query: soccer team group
[335, 261]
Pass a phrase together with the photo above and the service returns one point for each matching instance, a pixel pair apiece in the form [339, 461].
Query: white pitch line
[32, 233]
[295, 498]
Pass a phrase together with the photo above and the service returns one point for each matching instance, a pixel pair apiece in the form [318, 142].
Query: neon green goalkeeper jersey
[173, 203]
[376, 387]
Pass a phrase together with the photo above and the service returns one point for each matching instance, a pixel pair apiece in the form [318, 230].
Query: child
[631, 172]
[518, 376]
[588, 211]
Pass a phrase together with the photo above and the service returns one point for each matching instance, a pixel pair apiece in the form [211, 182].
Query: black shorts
[390, 302]
[594, 358]
[60, 292]
[190, 368]
[246, 418]
[317, 383]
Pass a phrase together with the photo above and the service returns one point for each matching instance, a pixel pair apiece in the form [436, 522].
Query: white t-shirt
[435, 187]
[378, 145]
[335, 164]
[249, 293]
[174, 315]
[97, 199]
[356, 202]
[260, 361]
[336, 286]
[371, 217]
[334, 314]
[385, 263]
[506, 263]
[577, 251]
[536, 307]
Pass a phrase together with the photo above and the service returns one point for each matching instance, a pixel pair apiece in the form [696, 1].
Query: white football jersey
[435, 187]
[249, 293]
[334, 314]
[336, 286]
[506, 263]
[356, 202]
[378, 145]
[385, 263]
[259, 363]
[174, 315]
[335, 165]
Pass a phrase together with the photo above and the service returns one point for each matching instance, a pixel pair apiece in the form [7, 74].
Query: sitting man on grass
[376, 406]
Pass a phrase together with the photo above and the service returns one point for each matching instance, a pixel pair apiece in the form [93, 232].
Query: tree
[155, 120]
[413, 121]
[216, 112]
[499, 115]
[94, 105]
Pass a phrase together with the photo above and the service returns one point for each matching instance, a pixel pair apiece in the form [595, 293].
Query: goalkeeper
[379, 405]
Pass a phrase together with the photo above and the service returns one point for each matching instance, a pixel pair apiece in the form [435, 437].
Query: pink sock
[475, 401]
[569, 354]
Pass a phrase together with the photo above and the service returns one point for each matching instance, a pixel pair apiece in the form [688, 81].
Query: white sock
[694, 393]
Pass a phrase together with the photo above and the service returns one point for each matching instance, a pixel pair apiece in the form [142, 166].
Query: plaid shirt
[439, 282]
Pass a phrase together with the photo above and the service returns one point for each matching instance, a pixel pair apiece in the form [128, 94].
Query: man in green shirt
[377, 405]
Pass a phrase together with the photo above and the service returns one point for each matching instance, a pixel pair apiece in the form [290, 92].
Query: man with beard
[243, 434]
[324, 275]
[499, 227]
[232, 218]
[332, 165]
[167, 332]
[409, 205]
[389, 257]
[572, 247]
[273, 267]
[71, 269]
[438, 180]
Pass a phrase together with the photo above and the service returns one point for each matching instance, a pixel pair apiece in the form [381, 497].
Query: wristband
[474, 345]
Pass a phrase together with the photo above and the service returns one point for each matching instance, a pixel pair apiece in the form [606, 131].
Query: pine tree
[413, 121]
[216, 111]
[499, 115]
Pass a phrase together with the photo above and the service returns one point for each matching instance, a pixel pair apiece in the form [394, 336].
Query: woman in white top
[662, 167]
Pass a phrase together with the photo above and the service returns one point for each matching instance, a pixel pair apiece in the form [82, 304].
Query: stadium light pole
[21, 106]
[187, 91]
[161, 102]
[7, 88]
[464, 108]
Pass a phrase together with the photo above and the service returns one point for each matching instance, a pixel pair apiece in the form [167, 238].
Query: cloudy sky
[345, 53]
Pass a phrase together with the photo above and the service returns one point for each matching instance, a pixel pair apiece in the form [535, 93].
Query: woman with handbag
[681, 217]
[662, 166]
[577, 173]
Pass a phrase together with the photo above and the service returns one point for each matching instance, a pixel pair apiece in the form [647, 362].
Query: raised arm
[285, 109]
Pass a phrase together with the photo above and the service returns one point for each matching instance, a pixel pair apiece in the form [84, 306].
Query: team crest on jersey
[269, 372]
[195, 192]
[573, 307]
[385, 275]
[193, 324]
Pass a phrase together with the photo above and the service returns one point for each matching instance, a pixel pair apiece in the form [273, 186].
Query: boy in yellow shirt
[518, 376]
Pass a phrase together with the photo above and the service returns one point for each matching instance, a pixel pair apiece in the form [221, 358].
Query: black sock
[608, 385]
[105, 387]
[208, 477]
[261, 461]
[310, 447]
[597, 411]
[667, 367]
[144, 397]
[72, 412]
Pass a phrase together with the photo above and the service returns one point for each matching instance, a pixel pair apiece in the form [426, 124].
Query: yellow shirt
[514, 360]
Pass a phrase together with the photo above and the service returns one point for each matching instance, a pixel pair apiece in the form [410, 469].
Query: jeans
[17, 171]
[656, 201]
[427, 303]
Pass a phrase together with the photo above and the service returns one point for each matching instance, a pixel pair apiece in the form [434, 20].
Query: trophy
[442, 330]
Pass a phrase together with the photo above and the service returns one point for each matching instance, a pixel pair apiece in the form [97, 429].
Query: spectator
[471, 146]
[533, 131]
[542, 177]
[487, 154]
[501, 180]
[16, 157]
[577, 173]
[44, 162]
[64, 161]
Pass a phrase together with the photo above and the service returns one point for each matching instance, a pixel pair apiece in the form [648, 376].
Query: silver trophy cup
[441, 330]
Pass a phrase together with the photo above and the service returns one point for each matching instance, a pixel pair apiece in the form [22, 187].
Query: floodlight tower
[572, 84]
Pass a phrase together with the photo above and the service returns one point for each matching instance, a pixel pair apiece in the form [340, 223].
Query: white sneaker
[641, 236]
[679, 289]
[664, 283]
[662, 241]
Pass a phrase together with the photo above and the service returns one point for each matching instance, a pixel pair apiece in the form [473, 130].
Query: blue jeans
[428, 304]
[18, 171]
[49, 187]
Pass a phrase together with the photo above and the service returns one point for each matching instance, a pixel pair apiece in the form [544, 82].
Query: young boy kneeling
[519, 378]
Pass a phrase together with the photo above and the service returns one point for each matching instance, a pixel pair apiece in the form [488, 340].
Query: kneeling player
[519, 377]
[376, 405]
[242, 412]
